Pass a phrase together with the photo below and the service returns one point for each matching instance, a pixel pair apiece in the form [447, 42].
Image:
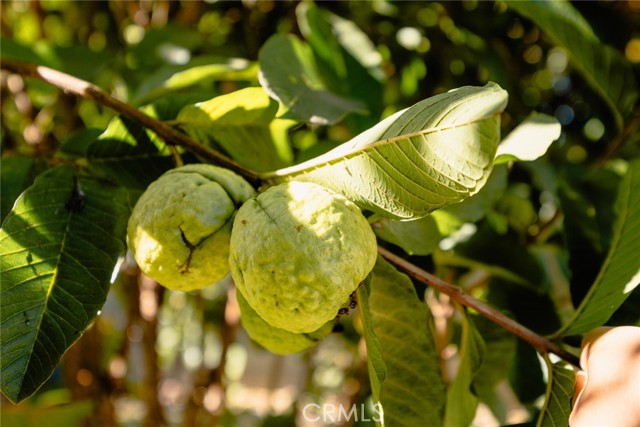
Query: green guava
[277, 340]
[297, 252]
[179, 229]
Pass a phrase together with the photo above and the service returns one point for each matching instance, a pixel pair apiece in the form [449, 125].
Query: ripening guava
[277, 340]
[179, 229]
[297, 252]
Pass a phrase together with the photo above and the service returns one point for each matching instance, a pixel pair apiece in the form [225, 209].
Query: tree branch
[84, 89]
[541, 344]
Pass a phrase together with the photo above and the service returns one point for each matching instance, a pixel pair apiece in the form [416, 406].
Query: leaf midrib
[46, 303]
[341, 156]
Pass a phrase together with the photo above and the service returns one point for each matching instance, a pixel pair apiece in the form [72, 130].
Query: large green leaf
[405, 367]
[242, 124]
[603, 67]
[461, 400]
[620, 273]
[437, 152]
[557, 403]
[289, 73]
[350, 64]
[58, 249]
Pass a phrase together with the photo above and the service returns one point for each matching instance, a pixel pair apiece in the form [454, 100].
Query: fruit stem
[540, 343]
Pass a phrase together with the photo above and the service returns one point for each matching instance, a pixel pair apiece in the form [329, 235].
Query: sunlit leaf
[557, 403]
[289, 73]
[198, 72]
[438, 152]
[620, 273]
[604, 68]
[530, 139]
[242, 124]
[58, 249]
[401, 350]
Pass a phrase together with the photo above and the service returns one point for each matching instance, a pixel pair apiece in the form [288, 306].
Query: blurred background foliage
[156, 357]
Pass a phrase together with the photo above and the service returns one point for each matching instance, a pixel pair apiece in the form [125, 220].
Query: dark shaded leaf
[289, 73]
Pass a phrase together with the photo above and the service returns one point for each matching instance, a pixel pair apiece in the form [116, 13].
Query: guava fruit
[277, 340]
[179, 229]
[297, 251]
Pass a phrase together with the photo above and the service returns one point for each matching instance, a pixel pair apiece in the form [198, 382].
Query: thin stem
[540, 343]
[84, 89]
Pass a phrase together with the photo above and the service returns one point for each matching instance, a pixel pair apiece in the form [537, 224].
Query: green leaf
[474, 208]
[557, 402]
[605, 69]
[350, 64]
[58, 249]
[405, 367]
[129, 154]
[530, 139]
[289, 73]
[241, 124]
[375, 362]
[417, 237]
[14, 178]
[620, 273]
[437, 152]
[201, 70]
[77, 145]
[461, 401]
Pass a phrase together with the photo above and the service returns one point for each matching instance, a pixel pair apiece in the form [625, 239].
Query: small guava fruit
[297, 252]
[179, 229]
[277, 340]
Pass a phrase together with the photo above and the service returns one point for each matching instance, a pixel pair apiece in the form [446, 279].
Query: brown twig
[84, 89]
[540, 343]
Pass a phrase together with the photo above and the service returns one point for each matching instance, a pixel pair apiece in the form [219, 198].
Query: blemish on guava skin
[184, 268]
[243, 221]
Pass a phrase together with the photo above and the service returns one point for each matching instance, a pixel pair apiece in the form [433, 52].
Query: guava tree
[403, 230]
